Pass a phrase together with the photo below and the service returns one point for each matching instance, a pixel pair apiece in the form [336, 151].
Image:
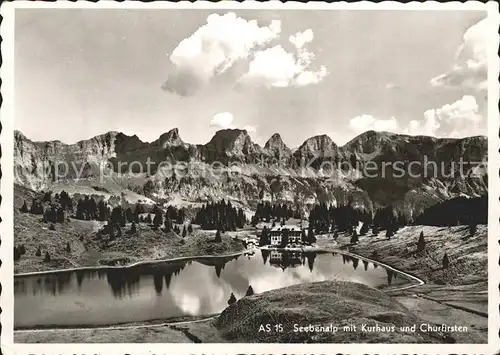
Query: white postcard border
[6, 226]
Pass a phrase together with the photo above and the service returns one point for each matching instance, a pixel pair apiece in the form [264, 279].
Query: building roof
[289, 227]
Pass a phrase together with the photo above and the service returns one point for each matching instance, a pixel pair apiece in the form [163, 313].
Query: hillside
[88, 247]
[329, 303]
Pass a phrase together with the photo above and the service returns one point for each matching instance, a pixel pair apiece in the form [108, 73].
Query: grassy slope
[457, 295]
[468, 255]
[320, 303]
[88, 248]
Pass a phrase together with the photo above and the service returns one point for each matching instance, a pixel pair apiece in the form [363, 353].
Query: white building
[294, 234]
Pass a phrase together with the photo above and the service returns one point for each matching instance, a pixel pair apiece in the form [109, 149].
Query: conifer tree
[47, 197]
[102, 211]
[168, 224]
[421, 242]
[24, 208]
[264, 237]
[190, 228]
[472, 229]
[68, 247]
[129, 215]
[133, 228]
[158, 219]
[218, 237]
[149, 219]
[184, 232]
[232, 299]
[364, 229]
[79, 210]
[389, 232]
[22, 250]
[47, 257]
[446, 261]
[17, 255]
[284, 237]
[249, 291]
[60, 216]
[311, 238]
[354, 237]
[38, 252]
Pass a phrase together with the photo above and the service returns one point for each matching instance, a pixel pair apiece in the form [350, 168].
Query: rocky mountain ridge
[273, 171]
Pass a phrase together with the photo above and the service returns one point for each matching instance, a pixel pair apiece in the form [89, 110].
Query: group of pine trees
[421, 247]
[266, 211]
[61, 205]
[157, 219]
[346, 218]
[56, 207]
[21, 250]
[221, 216]
[232, 298]
[456, 211]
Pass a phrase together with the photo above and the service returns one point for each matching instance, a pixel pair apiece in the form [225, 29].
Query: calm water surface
[194, 287]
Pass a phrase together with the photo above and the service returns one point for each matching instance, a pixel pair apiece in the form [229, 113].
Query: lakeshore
[440, 300]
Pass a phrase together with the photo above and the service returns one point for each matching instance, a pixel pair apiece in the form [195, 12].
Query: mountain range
[303, 175]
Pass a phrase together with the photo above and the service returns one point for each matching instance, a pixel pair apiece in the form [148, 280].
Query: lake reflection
[171, 289]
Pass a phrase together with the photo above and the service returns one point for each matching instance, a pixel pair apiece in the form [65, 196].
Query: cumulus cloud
[470, 68]
[224, 120]
[428, 127]
[301, 38]
[214, 48]
[459, 119]
[366, 122]
[276, 67]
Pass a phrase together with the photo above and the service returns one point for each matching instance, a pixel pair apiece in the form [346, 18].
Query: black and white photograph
[251, 175]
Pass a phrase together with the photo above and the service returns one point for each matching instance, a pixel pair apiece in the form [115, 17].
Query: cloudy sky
[79, 73]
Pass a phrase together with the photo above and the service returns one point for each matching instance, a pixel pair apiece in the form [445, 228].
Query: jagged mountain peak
[171, 137]
[275, 142]
[321, 142]
[232, 142]
[230, 135]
